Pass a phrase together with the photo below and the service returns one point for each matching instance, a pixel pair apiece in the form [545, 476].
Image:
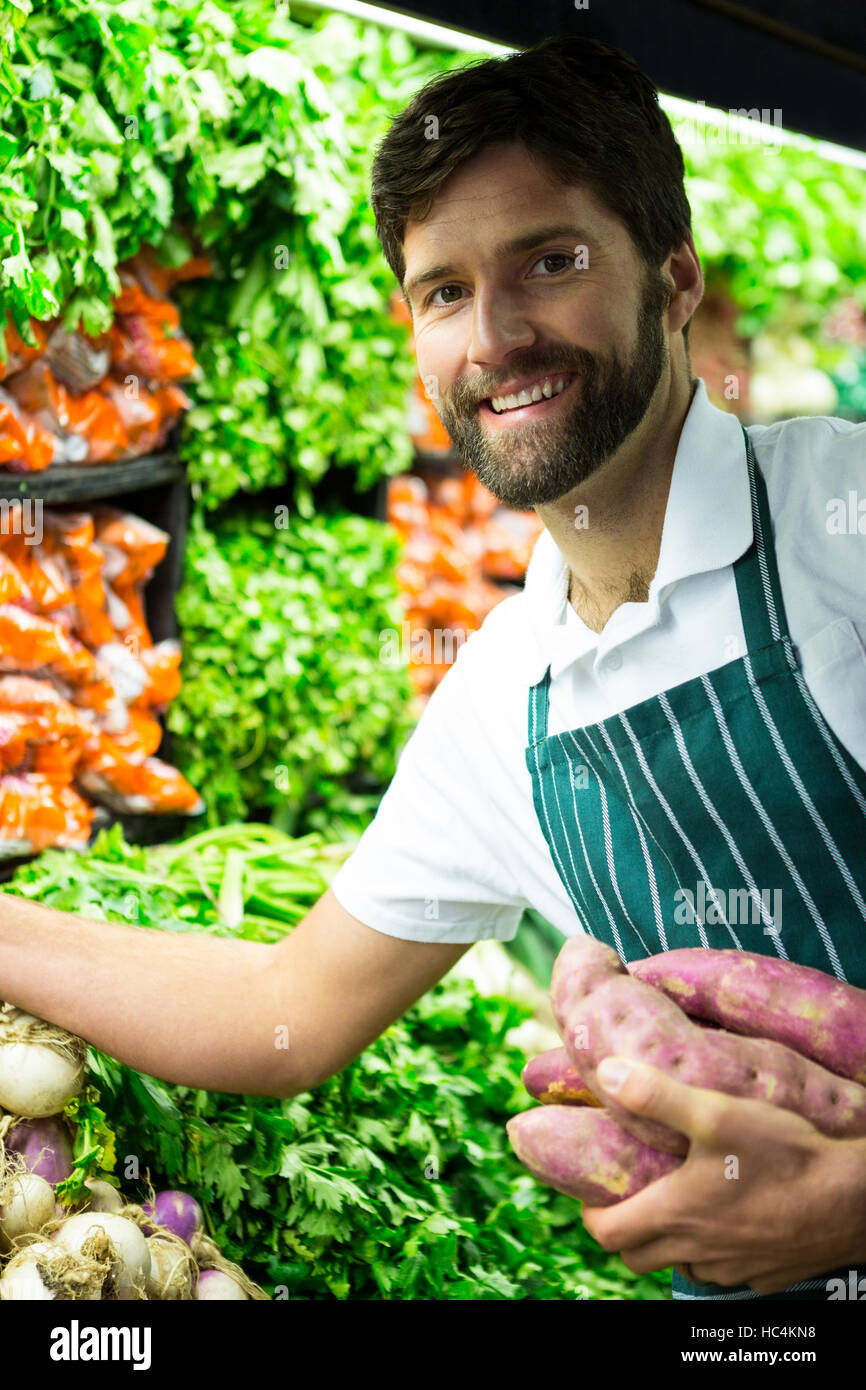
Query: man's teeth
[538, 393]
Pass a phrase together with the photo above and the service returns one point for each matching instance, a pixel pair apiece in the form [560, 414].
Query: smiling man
[672, 709]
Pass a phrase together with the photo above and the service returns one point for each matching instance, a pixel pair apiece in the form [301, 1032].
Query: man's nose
[500, 325]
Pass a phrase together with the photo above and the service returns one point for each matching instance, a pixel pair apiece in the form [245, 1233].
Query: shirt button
[614, 661]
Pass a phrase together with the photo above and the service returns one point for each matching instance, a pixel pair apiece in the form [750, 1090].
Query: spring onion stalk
[230, 903]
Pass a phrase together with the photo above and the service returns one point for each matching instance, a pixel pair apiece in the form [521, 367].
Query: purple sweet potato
[585, 1154]
[551, 1078]
[763, 997]
[603, 1011]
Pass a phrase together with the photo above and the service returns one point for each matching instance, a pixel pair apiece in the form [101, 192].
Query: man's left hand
[762, 1199]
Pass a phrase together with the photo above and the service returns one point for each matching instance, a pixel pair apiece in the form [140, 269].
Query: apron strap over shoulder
[756, 572]
[539, 707]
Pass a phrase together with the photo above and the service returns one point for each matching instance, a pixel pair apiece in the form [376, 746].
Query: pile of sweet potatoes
[732, 1021]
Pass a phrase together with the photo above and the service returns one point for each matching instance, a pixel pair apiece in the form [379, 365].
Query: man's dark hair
[586, 109]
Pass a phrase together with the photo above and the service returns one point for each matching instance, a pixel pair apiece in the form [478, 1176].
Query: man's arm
[213, 1012]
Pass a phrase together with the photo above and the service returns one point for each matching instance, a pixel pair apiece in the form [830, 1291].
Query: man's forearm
[193, 1009]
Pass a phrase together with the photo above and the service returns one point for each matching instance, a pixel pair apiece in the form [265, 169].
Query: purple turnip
[177, 1212]
[45, 1146]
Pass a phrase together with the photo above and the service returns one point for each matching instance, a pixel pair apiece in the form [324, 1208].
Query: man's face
[515, 305]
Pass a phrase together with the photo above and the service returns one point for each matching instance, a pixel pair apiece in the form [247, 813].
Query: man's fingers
[648, 1092]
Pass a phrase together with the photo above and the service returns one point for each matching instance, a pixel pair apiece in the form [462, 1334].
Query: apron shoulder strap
[539, 707]
[756, 572]
[758, 590]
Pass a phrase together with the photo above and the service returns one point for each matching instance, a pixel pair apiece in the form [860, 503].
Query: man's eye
[442, 290]
[556, 256]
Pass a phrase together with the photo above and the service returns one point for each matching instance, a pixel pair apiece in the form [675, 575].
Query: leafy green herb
[393, 1180]
[285, 700]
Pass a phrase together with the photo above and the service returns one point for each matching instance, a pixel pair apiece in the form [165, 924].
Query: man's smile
[511, 407]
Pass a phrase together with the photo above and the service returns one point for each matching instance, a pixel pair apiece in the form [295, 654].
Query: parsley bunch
[286, 702]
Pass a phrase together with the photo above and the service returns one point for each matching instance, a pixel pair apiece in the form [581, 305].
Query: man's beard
[533, 464]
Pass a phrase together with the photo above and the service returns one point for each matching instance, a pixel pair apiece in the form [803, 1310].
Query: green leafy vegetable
[393, 1180]
[285, 699]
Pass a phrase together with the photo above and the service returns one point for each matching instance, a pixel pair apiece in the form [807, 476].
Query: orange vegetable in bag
[162, 663]
[141, 738]
[141, 545]
[25, 447]
[13, 589]
[147, 786]
[35, 814]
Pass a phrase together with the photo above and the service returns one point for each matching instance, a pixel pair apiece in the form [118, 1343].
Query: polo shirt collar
[708, 524]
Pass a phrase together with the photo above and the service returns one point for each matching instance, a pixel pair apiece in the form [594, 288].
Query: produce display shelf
[82, 482]
[155, 488]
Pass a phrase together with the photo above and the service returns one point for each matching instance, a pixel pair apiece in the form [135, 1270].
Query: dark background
[807, 57]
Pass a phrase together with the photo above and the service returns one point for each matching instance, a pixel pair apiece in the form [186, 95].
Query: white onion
[22, 1282]
[129, 1245]
[213, 1284]
[171, 1268]
[103, 1197]
[30, 1204]
[36, 1081]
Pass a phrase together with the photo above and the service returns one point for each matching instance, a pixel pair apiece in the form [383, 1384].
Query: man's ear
[684, 268]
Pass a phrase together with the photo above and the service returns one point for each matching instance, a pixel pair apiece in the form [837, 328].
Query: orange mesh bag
[157, 280]
[140, 414]
[55, 761]
[13, 589]
[45, 574]
[406, 505]
[25, 447]
[13, 743]
[72, 535]
[141, 545]
[162, 663]
[126, 611]
[508, 539]
[42, 727]
[25, 693]
[141, 738]
[75, 359]
[35, 814]
[134, 301]
[95, 416]
[137, 340]
[149, 786]
[36, 390]
[30, 643]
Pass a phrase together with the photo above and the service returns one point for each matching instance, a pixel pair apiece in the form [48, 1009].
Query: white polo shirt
[455, 852]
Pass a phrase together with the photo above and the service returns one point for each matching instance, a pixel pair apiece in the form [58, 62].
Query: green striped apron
[721, 813]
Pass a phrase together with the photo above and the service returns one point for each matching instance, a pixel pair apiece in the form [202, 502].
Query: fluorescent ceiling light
[440, 36]
[700, 114]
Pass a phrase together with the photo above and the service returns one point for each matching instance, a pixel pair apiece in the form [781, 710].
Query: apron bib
[721, 813]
